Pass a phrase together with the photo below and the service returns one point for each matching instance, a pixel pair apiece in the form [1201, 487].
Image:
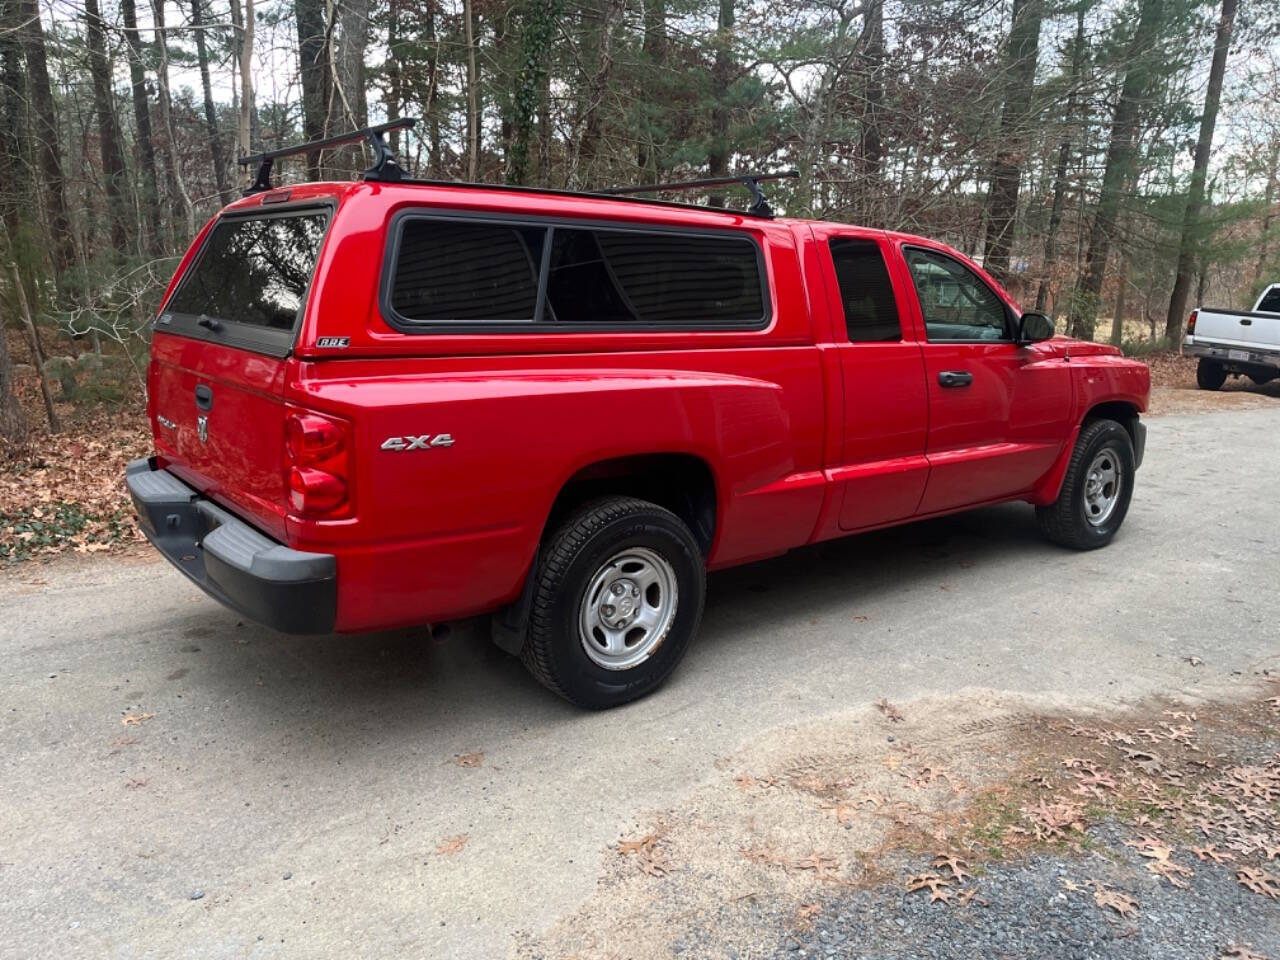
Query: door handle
[955, 378]
[204, 396]
[1246, 323]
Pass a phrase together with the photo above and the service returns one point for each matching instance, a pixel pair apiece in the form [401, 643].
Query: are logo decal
[333, 343]
[424, 442]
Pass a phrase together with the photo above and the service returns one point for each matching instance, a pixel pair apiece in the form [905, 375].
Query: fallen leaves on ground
[949, 861]
[806, 913]
[825, 868]
[1053, 820]
[1121, 903]
[136, 719]
[649, 858]
[1208, 852]
[70, 493]
[451, 845]
[1158, 856]
[1237, 951]
[935, 884]
[890, 711]
[469, 759]
[1259, 881]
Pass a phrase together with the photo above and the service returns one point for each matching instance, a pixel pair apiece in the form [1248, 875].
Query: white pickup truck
[1231, 342]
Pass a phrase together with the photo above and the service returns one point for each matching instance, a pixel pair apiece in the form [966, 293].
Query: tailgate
[220, 354]
[1235, 328]
[218, 421]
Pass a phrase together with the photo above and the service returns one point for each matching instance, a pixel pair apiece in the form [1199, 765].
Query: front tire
[1096, 490]
[1210, 375]
[617, 598]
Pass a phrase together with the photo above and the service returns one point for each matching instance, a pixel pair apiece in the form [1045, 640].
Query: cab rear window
[253, 271]
[487, 275]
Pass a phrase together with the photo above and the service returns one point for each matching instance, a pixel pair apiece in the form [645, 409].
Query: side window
[1270, 303]
[449, 271]
[955, 303]
[870, 310]
[461, 271]
[629, 276]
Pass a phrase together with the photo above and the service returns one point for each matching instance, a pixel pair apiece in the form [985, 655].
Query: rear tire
[617, 598]
[1261, 380]
[1095, 491]
[1210, 375]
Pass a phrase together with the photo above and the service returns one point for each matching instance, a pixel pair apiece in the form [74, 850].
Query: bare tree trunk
[1006, 174]
[592, 124]
[530, 85]
[48, 153]
[435, 156]
[348, 68]
[1118, 167]
[210, 111]
[654, 47]
[142, 118]
[1060, 172]
[721, 79]
[870, 145]
[1268, 212]
[37, 349]
[314, 73]
[113, 175]
[1122, 299]
[1195, 196]
[173, 170]
[13, 419]
[473, 96]
[245, 51]
[394, 96]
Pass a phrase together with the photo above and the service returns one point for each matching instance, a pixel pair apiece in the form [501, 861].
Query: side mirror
[1034, 327]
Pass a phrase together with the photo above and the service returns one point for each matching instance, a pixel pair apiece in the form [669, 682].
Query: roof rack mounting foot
[385, 168]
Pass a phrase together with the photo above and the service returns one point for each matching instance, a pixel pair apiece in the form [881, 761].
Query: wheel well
[1122, 412]
[680, 482]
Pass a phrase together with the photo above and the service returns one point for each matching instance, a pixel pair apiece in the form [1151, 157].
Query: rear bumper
[1255, 360]
[234, 563]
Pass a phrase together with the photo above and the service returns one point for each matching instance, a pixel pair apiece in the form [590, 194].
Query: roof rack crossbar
[384, 167]
[759, 205]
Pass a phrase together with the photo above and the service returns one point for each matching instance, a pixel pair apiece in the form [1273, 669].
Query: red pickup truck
[378, 404]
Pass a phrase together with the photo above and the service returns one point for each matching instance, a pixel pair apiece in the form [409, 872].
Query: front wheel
[1095, 491]
[618, 596]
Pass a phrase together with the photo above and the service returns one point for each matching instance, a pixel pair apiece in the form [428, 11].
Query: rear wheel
[1210, 375]
[1095, 491]
[1261, 379]
[618, 596]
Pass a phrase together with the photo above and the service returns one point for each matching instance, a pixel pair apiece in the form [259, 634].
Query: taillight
[318, 457]
[1191, 322]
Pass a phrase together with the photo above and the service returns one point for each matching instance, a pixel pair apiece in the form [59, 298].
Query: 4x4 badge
[424, 442]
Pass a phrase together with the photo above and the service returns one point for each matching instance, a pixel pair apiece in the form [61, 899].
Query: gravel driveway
[181, 784]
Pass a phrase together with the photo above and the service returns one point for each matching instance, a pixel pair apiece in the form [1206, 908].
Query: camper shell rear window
[249, 281]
